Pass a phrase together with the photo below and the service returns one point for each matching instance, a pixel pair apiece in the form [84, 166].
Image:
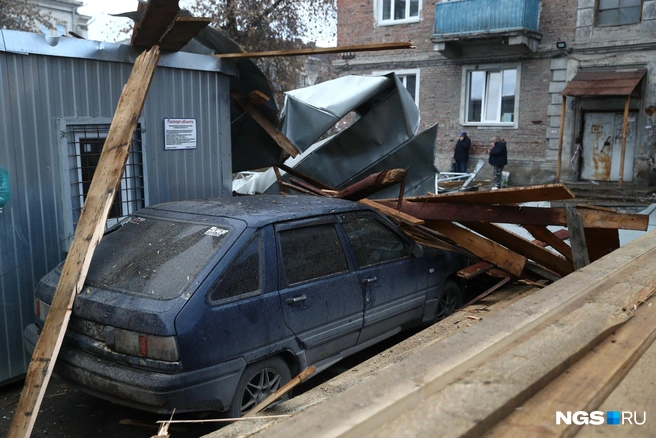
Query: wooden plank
[601, 242]
[484, 248]
[303, 376]
[309, 187]
[522, 246]
[546, 192]
[561, 234]
[535, 269]
[280, 138]
[88, 233]
[374, 183]
[519, 215]
[580, 258]
[546, 236]
[156, 19]
[586, 384]
[394, 214]
[563, 107]
[496, 287]
[283, 189]
[475, 270]
[306, 178]
[184, 29]
[321, 50]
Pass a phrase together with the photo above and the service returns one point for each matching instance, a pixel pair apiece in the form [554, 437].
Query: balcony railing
[478, 16]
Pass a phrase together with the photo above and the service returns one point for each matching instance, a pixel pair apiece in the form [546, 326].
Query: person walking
[461, 153]
[498, 159]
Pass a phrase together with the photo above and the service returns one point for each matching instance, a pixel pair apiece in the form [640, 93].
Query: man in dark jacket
[498, 159]
[461, 154]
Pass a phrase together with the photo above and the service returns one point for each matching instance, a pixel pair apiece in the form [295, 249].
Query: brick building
[497, 67]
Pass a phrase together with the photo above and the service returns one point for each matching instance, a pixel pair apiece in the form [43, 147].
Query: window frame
[597, 11]
[404, 73]
[64, 139]
[465, 89]
[378, 14]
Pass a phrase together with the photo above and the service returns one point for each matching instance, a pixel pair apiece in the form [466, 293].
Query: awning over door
[605, 83]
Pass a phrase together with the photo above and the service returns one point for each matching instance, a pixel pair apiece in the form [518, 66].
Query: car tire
[449, 300]
[258, 381]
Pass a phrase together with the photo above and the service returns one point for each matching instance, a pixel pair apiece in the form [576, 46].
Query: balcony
[468, 28]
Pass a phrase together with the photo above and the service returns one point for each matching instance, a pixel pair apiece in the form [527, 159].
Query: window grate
[85, 143]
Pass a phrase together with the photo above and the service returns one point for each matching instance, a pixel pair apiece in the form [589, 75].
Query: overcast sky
[103, 27]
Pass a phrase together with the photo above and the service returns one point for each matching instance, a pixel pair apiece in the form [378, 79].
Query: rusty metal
[605, 83]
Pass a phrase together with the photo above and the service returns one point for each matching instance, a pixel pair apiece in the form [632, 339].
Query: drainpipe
[74, 24]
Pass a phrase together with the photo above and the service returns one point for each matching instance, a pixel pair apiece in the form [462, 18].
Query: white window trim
[465, 88]
[378, 15]
[404, 72]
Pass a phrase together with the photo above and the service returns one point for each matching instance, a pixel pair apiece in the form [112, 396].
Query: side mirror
[417, 250]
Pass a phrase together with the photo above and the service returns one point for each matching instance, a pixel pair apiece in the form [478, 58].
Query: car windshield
[153, 257]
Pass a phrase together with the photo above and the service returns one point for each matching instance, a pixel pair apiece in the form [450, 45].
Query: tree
[262, 25]
[22, 15]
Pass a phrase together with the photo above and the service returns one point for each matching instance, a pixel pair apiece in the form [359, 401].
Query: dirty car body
[189, 302]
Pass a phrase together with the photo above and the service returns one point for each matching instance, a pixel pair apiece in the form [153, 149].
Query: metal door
[602, 146]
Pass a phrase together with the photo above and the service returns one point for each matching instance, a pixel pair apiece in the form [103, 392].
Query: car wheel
[450, 299]
[259, 381]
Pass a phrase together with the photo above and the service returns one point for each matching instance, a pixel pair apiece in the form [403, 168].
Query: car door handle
[296, 299]
[369, 280]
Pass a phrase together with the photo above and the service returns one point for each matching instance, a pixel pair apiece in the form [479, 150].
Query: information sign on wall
[179, 134]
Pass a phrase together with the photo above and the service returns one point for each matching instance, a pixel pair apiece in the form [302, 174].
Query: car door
[394, 283]
[320, 294]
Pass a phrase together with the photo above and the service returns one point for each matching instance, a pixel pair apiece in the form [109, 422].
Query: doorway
[602, 146]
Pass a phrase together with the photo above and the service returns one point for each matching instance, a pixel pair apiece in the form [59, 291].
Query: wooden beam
[475, 270]
[592, 218]
[497, 286]
[374, 183]
[88, 233]
[512, 195]
[561, 234]
[184, 29]
[586, 384]
[156, 19]
[283, 189]
[261, 120]
[485, 249]
[303, 376]
[601, 242]
[310, 187]
[546, 236]
[320, 50]
[625, 128]
[581, 258]
[560, 138]
[394, 214]
[522, 246]
[306, 178]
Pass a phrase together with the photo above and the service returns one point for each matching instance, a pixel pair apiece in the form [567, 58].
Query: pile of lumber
[467, 222]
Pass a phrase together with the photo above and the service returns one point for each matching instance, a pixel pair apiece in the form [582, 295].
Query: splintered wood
[467, 223]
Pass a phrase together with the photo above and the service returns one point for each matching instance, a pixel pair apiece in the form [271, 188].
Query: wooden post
[560, 138]
[88, 233]
[580, 253]
[624, 129]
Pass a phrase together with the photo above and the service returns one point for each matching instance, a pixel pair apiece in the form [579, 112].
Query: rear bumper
[209, 388]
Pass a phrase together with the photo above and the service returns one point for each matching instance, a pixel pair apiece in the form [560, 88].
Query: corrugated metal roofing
[605, 83]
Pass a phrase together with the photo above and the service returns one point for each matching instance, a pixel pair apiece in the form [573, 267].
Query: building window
[618, 12]
[61, 30]
[398, 11]
[491, 96]
[83, 145]
[409, 79]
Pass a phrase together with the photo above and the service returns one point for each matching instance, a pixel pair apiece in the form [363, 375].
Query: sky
[103, 27]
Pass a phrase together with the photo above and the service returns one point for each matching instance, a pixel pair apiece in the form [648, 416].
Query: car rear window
[155, 258]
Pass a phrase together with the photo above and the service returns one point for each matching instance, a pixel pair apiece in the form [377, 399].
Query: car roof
[261, 210]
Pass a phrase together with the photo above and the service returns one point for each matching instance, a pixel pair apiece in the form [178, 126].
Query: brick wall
[441, 81]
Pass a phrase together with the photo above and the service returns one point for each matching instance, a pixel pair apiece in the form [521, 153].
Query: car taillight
[41, 309]
[151, 346]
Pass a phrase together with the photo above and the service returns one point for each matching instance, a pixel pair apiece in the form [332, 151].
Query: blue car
[214, 304]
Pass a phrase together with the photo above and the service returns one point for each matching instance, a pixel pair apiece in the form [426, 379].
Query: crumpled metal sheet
[310, 112]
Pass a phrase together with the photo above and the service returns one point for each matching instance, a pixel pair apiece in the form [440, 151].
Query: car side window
[242, 276]
[312, 252]
[373, 242]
